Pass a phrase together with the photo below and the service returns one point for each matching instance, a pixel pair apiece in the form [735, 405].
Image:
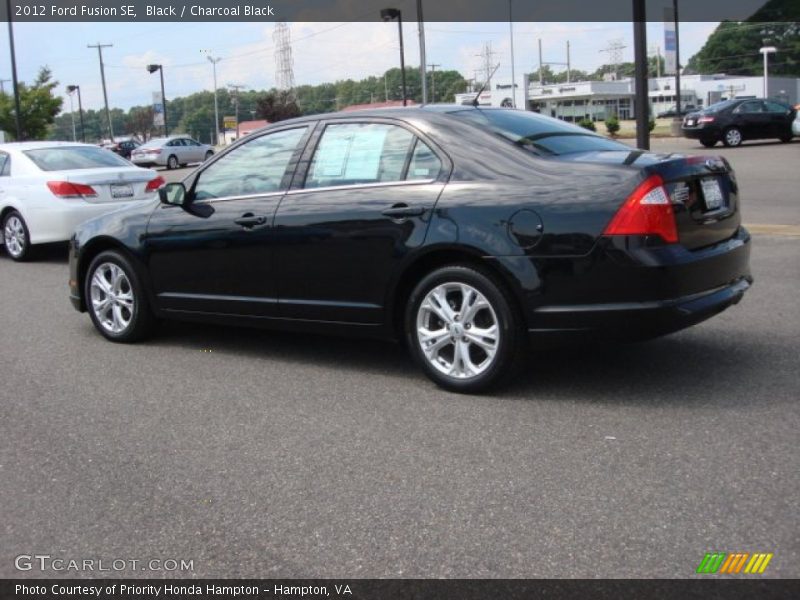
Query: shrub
[612, 125]
[651, 124]
[587, 124]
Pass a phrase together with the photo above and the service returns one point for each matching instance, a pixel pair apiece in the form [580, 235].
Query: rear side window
[74, 157]
[536, 133]
[365, 153]
[5, 164]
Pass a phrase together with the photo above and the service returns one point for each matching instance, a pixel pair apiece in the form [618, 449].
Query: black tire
[509, 347]
[209, 154]
[140, 319]
[172, 162]
[785, 139]
[22, 249]
[709, 143]
[732, 137]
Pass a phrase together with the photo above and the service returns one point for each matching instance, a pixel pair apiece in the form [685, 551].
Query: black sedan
[735, 121]
[466, 232]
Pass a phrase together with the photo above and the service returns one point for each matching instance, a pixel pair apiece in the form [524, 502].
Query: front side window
[362, 153]
[750, 107]
[256, 167]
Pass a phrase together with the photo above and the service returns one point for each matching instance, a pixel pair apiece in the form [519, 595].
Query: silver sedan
[171, 152]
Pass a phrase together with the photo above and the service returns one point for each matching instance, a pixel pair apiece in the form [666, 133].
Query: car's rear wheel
[116, 299]
[709, 143]
[463, 329]
[172, 162]
[16, 237]
[732, 137]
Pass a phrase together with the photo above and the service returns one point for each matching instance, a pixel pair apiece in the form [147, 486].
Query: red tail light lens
[705, 120]
[154, 184]
[67, 189]
[647, 211]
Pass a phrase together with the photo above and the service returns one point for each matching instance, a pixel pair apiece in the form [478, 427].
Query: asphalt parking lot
[282, 455]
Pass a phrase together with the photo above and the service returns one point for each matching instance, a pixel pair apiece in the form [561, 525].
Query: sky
[322, 52]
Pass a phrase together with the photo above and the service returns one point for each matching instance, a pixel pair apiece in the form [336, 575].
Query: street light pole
[422, 57]
[72, 115]
[766, 51]
[160, 68]
[17, 109]
[74, 88]
[214, 62]
[390, 14]
[100, 47]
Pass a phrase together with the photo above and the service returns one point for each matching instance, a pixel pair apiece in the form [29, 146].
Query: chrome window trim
[382, 184]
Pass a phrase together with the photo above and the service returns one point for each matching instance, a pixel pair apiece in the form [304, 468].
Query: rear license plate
[712, 193]
[121, 191]
[690, 122]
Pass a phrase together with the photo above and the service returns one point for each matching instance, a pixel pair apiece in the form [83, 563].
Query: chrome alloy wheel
[112, 297]
[733, 137]
[14, 235]
[458, 330]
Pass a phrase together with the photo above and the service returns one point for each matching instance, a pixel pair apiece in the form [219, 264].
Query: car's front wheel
[709, 143]
[732, 137]
[463, 329]
[209, 154]
[116, 299]
[16, 236]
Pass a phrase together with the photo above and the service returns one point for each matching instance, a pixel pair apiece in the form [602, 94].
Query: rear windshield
[720, 106]
[74, 157]
[539, 134]
[154, 143]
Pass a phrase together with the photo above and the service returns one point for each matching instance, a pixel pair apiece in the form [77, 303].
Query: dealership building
[597, 100]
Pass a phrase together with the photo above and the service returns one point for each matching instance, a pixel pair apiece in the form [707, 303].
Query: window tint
[74, 157]
[751, 107]
[536, 133]
[360, 153]
[256, 167]
[774, 107]
[424, 163]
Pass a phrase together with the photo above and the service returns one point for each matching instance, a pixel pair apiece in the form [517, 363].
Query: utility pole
[677, 63]
[17, 109]
[433, 81]
[422, 59]
[569, 65]
[488, 57]
[642, 106]
[541, 78]
[100, 47]
[214, 62]
[236, 87]
[513, 72]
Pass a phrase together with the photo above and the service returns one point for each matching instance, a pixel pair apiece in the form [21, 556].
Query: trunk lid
[702, 189]
[111, 184]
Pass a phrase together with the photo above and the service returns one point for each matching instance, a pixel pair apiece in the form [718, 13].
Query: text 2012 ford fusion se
[466, 232]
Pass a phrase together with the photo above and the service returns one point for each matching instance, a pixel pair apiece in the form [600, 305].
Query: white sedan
[48, 188]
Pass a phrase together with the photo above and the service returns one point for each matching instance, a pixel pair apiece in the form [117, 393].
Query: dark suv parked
[735, 121]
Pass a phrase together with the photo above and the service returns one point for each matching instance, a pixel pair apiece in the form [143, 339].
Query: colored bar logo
[734, 563]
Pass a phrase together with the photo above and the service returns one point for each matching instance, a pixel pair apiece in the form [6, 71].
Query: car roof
[42, 144]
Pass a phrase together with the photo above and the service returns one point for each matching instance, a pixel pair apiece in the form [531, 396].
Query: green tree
[38, 107]
[277, 106]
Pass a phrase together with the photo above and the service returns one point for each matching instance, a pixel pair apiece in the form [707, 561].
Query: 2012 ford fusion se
[466, 232]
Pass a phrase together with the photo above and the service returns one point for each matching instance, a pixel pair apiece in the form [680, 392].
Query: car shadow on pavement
[694, 368]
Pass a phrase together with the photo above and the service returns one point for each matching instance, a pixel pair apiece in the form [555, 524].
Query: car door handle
[401, 211]
[249, 220]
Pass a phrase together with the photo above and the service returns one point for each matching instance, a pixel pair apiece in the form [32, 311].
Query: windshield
[537, 133]
[74, 157]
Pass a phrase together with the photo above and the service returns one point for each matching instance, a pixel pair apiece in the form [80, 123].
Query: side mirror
[173, 194]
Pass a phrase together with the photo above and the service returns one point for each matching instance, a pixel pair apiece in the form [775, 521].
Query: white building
[599, 99]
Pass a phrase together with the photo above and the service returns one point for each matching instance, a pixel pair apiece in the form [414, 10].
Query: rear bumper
[57, 222]
[634, 321]
[701, 133]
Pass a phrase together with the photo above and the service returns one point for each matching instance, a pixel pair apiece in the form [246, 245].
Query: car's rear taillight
[705, 120]
[647, 211]
[154, 184]
[152, 151]
[68, 189]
